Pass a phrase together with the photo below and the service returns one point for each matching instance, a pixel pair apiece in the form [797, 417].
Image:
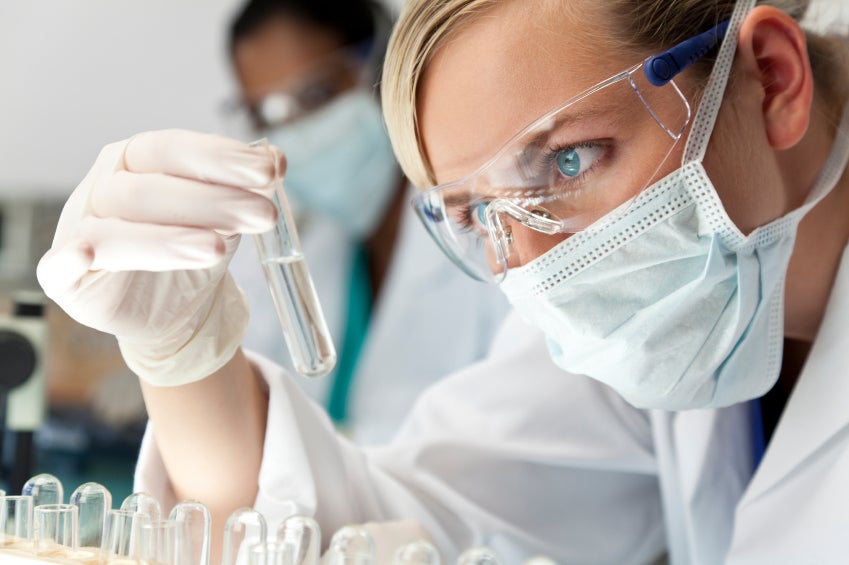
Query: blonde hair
[425, 25]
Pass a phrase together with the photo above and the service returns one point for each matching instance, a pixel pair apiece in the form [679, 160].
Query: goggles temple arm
[662, 68]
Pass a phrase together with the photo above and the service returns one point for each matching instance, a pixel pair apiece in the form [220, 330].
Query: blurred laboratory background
[77, 75]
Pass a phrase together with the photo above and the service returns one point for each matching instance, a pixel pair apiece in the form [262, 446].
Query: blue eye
[569, 162]
[479, 212]
[574, 161]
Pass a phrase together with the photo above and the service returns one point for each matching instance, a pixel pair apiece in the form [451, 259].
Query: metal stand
[23, 337]
[22, 466]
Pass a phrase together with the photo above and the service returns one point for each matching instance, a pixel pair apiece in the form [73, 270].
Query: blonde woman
[307, 82]
[673, 224]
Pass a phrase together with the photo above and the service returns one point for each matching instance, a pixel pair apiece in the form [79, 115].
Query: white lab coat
[430, 320]
[514, 453]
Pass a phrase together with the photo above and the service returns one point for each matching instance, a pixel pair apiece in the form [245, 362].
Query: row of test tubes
[38, 527]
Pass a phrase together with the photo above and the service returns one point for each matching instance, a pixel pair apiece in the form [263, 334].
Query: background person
[508, 451]
[400, 314]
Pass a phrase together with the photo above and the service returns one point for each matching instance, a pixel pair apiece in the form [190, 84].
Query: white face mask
[340, 162]
[668, 302]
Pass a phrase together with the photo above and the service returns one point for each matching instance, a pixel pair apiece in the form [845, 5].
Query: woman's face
[518, 61]
[501, 72]
[294, 57]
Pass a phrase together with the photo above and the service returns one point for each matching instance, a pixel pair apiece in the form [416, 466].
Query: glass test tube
[271, 553]
[162, 542]
[197, 522]
[143, 503]
[123, 536]
[292, 290]
[15, 521]
[55, 527]
[244, 529]
[351, 545]
[304, 535]
[44, 489]
[478, 556]
[417, 553]
[93, 501]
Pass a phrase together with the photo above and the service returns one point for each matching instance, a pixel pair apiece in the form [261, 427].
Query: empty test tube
[143, 503]
[44, 489]
[164, 543]
[351, 545]
[93, 501]
[123, 536]
[292, 290]
[55, 527]
[245, 528]
[417, 553]
[271, 553]
[197, 522]
[303, 534]
[479, 556]
[15, 521]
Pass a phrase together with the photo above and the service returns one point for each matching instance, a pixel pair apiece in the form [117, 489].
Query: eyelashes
[557, 173]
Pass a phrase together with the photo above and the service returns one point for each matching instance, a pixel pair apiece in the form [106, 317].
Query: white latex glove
[142, 247]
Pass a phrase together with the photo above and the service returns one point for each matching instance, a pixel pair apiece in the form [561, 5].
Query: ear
[772, 47]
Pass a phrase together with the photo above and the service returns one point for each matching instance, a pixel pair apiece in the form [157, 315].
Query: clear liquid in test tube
[293, 292]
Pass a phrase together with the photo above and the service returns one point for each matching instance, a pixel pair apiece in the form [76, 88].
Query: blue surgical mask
[665, 300]
[340, 162]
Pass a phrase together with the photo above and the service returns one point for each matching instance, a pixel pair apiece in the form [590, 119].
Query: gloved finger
[60, 269]
[157, 198]
[205, 157]
[119, 245]
[279, 159]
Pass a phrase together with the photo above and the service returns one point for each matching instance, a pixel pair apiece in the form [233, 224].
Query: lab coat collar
[817, 408]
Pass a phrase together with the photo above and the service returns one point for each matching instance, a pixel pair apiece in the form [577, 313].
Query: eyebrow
[533, 146]
[541, 139]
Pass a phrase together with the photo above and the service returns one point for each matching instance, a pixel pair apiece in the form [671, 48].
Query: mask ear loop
[708, 110]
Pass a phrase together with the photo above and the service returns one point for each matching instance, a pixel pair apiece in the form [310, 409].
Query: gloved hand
[142, 247]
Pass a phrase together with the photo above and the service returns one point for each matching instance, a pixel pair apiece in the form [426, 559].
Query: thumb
[60, 269]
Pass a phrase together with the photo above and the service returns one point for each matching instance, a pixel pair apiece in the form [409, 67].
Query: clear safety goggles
[566, 171]
[316, 87]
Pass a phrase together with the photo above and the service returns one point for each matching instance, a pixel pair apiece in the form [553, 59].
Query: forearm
[210, 434]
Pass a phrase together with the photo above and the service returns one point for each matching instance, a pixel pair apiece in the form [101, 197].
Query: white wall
[77, 74]
[831, 16]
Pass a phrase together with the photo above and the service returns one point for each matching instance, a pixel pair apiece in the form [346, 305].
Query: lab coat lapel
[713, 463]
[817, 408]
